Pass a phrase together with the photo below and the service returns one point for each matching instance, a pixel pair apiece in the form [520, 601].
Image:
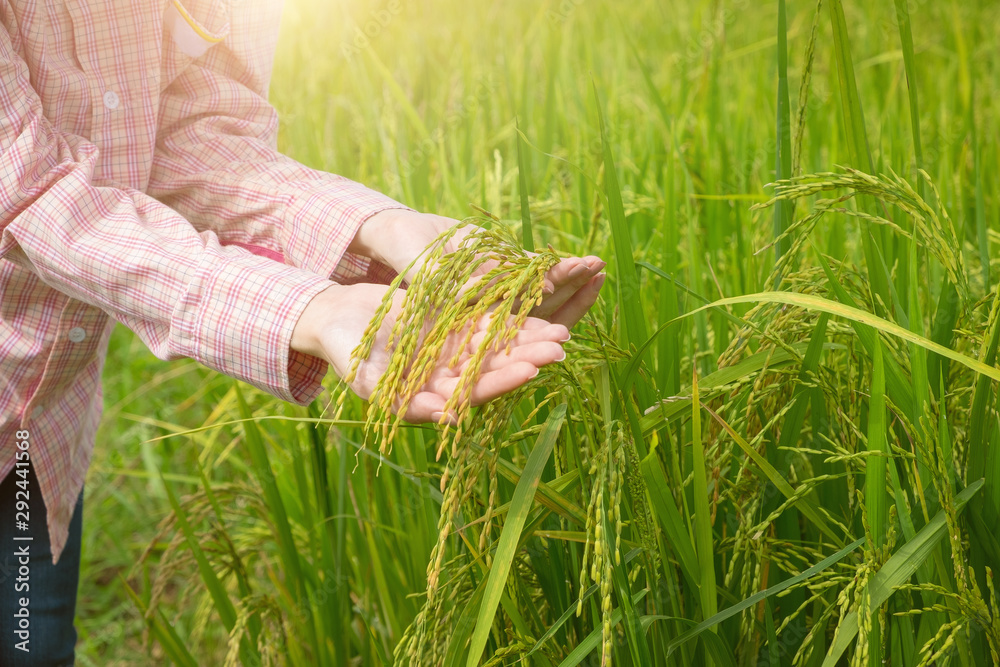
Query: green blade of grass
[702, 515]
[900, 389]
[876, 494]
[257, 418]
[981, 222]
[983, 462]
[635, 635]
[853, 115]
[548, 497]
[669, 516]
[980, 419]
[523, 178]
[402, 98]
[220, 598]
[463, 628]
[897, 571]
[593, 640]
[241, 577]
[635, 333]
[876, 500]
[910, 67]
[165, 634]
[521, 504]
[712, 385]
[858, 149]
[783, 143]
[813, 302]
[943, 330]
[570, 611]
[227, 612]
[796, 416]
[773, 650]
[804, 504]
[261, 466]
[754, 599]
[720, 651]
[918, 364]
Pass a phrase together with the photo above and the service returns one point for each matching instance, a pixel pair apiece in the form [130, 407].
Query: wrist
[306, 334]
[334, 322]
[375, 233]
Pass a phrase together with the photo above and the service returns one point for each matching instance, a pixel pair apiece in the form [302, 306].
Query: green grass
[833, 471]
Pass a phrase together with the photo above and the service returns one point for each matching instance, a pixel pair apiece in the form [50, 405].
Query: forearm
[129, 255]
[216, 164]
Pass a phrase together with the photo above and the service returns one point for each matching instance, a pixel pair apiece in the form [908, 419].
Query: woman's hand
[396, 237]
[334, 322]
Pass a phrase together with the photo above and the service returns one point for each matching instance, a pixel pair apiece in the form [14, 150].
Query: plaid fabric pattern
[140, 183]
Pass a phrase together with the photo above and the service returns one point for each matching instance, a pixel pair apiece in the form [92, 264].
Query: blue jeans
[43, 626]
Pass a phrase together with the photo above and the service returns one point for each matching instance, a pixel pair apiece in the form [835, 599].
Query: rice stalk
[448, 297]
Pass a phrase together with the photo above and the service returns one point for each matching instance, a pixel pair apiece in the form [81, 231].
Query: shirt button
[111, 99]
[76, 334]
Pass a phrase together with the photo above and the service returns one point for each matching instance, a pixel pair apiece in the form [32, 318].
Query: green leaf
[227, 612]
[665, 508]
[783, 144]
[261, 465]
[702, 515]
[628, 278]
[521, 504]
[909, 65]
[714, 384]
[593, 640]
[570, 611]
[813, 302]
[527, 240]
[876, 496]
[729, 612]
[980, 419]
[897, 571]
[857, 144]
[165, 634]
[776, 478]
[876, 492]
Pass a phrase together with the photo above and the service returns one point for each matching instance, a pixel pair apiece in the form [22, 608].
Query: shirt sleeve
[183, 292]
[217, 164]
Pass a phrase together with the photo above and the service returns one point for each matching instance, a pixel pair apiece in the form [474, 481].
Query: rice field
[774, 440]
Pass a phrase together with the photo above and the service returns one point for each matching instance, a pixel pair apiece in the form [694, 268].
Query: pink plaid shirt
[139, 183]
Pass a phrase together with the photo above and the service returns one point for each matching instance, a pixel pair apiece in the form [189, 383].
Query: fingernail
[436, 417]
[566, 339]
[563, 357]
[537, 371]
[578, 271]
[603, 264]
[599, 282]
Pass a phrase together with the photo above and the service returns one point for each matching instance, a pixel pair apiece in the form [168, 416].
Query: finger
[537, 354]
[490, 385]
[572, 268]
[577, 278]
[575, 308]
[424, 407]
[496, 383]
[535, 330]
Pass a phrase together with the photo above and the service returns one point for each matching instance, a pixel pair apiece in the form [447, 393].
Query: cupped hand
[396, 237]
[335, 321]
